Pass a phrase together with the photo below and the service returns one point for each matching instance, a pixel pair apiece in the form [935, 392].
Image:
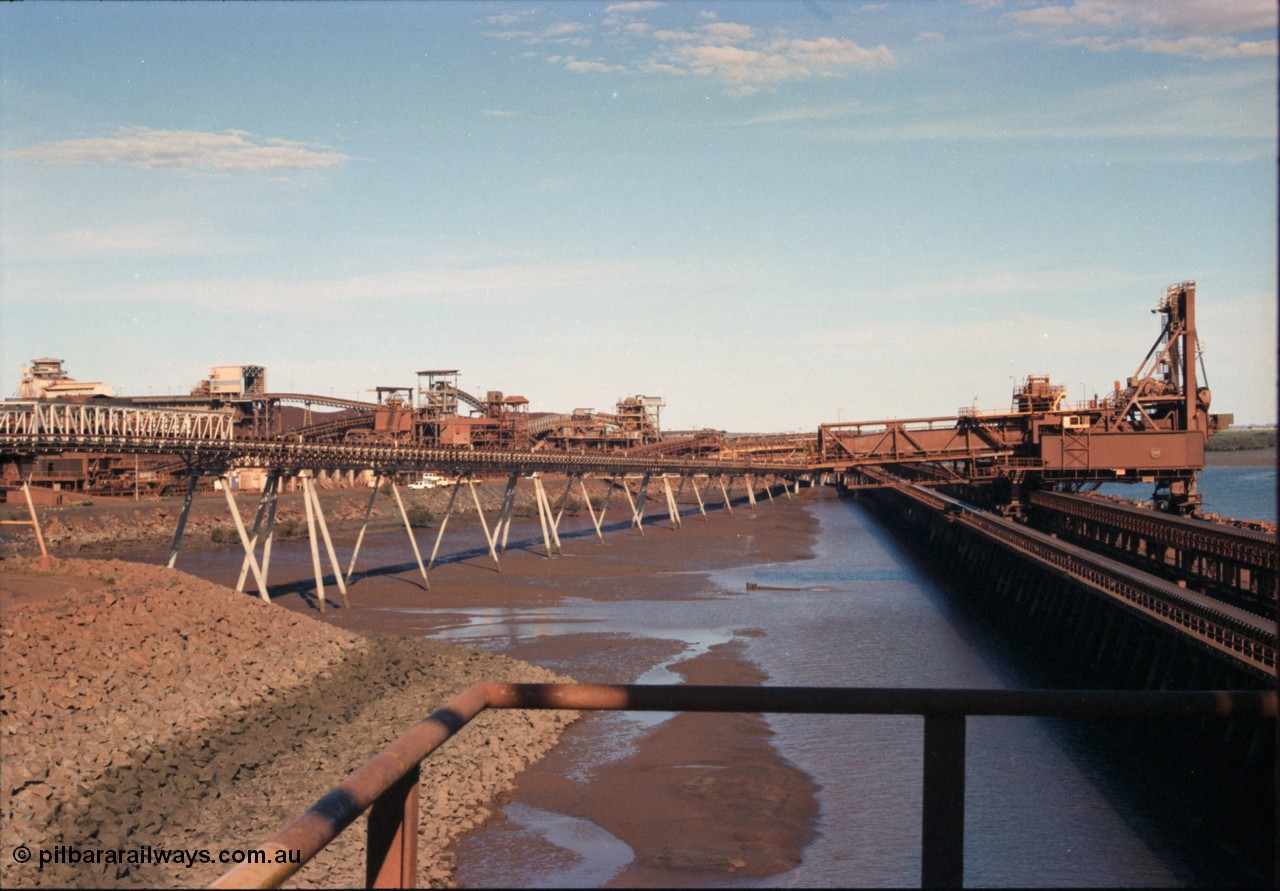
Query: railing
[387, 786]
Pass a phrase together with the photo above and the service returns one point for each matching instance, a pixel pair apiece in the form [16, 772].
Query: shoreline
[393, 600]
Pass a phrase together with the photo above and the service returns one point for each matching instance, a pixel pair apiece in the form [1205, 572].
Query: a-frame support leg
[637, 513]
[315, 549]
[502, 529]
[448, 512]
[244, 539]
[595, 521]
[192, 478]
[395, 490]
[368, 509]
[751, 490]
[672, 511]
[46, 562]
[702, 508]
[545, 518]
[309, 489]
[725, 491]
[484, 524]
[266, 502]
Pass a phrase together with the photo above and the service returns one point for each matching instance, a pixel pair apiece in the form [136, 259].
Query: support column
[751, 490]
[672, 510]
[702, 508]
[377, 477]
[725, 491]
[942, 841]
[637, 514]
[315, 550]
[182, 517]
[309, 484]
[46, 562]
[244, 539]
[253, 539]
[549, 537]
[484, 524]
[597, 522]
[505, 513]
[448, 512]
[395, 490]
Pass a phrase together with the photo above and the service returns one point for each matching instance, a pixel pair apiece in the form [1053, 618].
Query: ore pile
[155, 708]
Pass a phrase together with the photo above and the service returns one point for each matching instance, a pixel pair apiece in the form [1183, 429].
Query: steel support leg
[484, 524]
[395, 490]
[506, 512]
[751, 490]
[672, 511]
[942, 841]
[351, 568]
[448, 512]
[46, 562]
[258, 517]
[328, 542]
[702, 508]
[549, 539]
[182, 518]
[244, 540]
[586, 498]
[315, 549]
[564, 499]
[391, 849]
[637, 514]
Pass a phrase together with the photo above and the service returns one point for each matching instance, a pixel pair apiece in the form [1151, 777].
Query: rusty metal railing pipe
[387, 785]
[883, 700]
[336, 810]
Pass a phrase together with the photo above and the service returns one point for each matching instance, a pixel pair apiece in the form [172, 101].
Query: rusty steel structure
[1152, 428]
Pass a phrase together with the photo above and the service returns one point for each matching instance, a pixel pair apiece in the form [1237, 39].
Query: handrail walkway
[387, 785]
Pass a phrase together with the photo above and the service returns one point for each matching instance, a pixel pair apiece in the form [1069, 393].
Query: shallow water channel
[1041, 808]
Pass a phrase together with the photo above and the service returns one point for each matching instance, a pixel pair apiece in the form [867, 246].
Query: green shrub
[1240, 440]
[419, 516]
[287, 530]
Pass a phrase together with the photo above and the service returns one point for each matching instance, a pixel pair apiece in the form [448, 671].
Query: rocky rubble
[154, 708]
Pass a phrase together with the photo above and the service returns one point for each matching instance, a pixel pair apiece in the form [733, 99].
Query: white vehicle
[428, 481]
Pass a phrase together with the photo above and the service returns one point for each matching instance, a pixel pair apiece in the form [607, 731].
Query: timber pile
[155, 708]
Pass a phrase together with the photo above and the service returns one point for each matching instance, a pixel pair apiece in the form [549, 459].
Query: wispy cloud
[737, 55]
[230, 151]
[155, 240]
[1201, 29]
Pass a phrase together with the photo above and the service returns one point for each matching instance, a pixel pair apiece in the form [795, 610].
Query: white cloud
[1201, 29]
[233, 150]
[737, 55]
[634, 6]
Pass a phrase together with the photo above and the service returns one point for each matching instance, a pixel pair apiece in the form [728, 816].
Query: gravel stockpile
[149, 707]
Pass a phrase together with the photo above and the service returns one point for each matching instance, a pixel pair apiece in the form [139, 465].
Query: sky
[771, 214]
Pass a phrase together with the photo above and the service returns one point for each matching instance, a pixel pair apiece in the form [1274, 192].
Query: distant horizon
[773, 215]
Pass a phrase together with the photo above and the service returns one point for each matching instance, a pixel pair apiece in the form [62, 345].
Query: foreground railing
[387, 786]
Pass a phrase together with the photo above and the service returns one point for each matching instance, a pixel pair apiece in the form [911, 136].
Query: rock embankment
[144, 706]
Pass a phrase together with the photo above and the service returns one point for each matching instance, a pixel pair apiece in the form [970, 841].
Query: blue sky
[772, 214]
